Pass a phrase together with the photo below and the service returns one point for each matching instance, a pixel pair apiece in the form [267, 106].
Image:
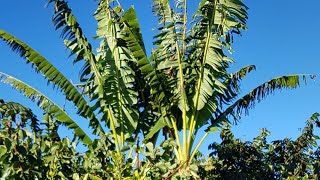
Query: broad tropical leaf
[255, 96]
[54, 76]
[215, 24]
[47, 105]
[216, 104]
[168, 59]
[120, 67]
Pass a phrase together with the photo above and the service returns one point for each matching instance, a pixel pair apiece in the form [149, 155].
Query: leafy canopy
[182, 86]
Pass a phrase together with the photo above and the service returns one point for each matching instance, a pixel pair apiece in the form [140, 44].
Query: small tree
[280, 159]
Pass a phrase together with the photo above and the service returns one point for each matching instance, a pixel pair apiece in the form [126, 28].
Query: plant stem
[176, 133]
[184, 106]
[197, 147]
[113, 129]
[195, 106]
[196, 101]
[183, 50]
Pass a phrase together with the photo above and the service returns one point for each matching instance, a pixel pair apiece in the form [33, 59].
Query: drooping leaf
[256, 95]
[47, 105]
[54, 76]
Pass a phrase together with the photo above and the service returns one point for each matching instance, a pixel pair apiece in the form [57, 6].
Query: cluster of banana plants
[182, 86]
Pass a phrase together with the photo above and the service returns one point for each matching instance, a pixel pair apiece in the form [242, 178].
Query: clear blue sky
[283, 38]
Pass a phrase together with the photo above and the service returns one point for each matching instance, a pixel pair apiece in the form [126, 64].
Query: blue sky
[282, 39]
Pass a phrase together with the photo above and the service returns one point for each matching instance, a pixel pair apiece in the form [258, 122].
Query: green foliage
[51, 73]
[181, 87]
[19, 156]
[280, 159]
[47, 105]
[28, 152]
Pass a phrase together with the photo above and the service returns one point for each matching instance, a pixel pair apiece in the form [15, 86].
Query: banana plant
[190, 84]
[182, 86]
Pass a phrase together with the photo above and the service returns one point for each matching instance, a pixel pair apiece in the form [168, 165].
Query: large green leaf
[144, 71]
[160, 124]
[71, 31]
[47, 105]
[77, 42]
[208, 40]
[167, 81]
[54, 76]
[132, 35]
[216, 104]
[211, 35]
[255, 96]
[119, 67]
